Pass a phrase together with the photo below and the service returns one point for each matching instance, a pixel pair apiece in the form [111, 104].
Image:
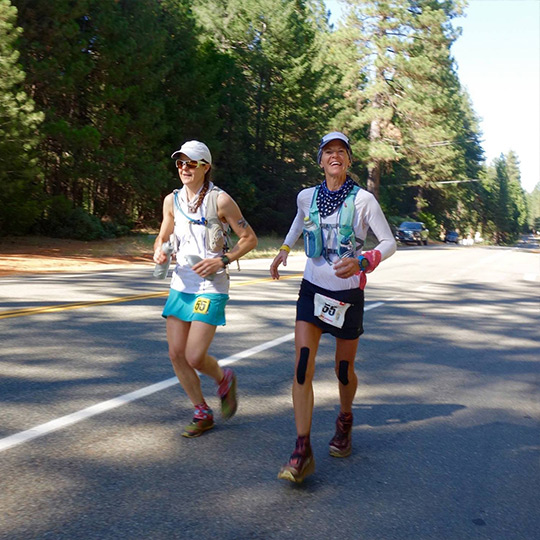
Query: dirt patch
[30, 255]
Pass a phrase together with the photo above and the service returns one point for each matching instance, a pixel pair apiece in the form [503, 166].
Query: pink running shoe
[301, 463]
[341, 443]
[203, 420]
[227, 393]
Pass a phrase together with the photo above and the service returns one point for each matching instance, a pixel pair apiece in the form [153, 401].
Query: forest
[95, 95]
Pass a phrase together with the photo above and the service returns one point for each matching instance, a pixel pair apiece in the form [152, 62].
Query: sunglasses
[189, 163]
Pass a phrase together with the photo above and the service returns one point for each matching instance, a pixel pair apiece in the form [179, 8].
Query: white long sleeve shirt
[368, 215]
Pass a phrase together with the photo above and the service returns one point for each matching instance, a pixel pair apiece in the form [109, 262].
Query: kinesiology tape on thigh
[302, 365]
[343, 372]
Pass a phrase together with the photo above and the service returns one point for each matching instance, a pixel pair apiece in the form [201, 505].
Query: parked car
[451, 237]
[412, 232]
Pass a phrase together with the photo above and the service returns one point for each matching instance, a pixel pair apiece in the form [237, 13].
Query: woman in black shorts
[331, 298]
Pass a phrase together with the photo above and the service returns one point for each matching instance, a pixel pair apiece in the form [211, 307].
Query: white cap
[334, 135]
[194, 150]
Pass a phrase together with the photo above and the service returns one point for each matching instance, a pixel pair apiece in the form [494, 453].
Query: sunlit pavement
[529, 241]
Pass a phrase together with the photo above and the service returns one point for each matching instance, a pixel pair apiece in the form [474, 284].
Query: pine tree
[96, 69]
[534, 209]
[411, 108]
[462, 204]
[505, 201]
[20, 196]
[126, 107]
[517, 193]
[275, 43]
[206, 99]
[55, 54]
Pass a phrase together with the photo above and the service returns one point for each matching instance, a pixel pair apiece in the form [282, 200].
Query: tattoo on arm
[243, 223]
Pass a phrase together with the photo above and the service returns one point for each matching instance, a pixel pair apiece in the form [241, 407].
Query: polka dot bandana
[328, 201]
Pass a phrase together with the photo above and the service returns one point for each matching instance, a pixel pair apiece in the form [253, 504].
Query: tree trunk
[374, 179]
[374, 168]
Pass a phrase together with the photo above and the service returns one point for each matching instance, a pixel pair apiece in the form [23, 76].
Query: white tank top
[190, 236]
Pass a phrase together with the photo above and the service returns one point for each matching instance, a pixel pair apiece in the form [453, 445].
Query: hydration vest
[216, 233]
[346, 241]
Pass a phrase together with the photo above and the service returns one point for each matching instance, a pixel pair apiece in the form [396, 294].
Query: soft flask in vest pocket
[346, 242]
[312, 238]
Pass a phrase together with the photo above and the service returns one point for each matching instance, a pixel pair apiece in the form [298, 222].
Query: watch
[225, 260]
[363, 263]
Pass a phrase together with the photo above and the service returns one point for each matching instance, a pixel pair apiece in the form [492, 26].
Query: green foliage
[516, 192]
[505, 210]
[275, 43]
[430, 222]
[100, 85]
[63, 220]
[405, 94]
[20, 196]
[534, 208]
[395, 221]
[98, 94]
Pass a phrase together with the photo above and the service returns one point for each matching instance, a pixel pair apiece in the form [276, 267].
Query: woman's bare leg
[307, 337]
[188, 346]
[348, 382]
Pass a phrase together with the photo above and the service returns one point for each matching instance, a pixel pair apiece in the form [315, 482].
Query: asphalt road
[447, 415]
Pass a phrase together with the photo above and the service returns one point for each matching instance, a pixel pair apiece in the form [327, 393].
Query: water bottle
[161, 270]
[345, 248]
[192, 260]
[312, 238]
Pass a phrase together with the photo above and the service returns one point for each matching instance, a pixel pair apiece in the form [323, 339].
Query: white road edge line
[104, 406]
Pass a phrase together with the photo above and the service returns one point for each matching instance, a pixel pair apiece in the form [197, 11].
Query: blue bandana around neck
[328, 201]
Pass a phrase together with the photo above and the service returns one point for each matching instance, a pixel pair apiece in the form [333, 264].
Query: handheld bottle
[161, 270]
[193, 260]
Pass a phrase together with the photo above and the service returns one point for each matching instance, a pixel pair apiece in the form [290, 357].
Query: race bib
[329, 310]
[201, 306]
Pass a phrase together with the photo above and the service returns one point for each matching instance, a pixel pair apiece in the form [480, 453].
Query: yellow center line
[24, 312]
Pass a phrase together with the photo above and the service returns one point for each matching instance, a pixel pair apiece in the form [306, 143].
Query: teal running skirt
[208, 308]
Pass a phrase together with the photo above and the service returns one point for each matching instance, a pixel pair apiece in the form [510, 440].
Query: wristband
[285, 247]
[225, 260]
[374, 257]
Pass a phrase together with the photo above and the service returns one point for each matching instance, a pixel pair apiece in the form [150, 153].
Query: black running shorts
[354, 318]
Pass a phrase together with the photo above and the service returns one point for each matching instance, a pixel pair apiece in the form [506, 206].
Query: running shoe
[203, 420]
[198, 426]
[341, 443]
[300, 465]
[227, 394]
